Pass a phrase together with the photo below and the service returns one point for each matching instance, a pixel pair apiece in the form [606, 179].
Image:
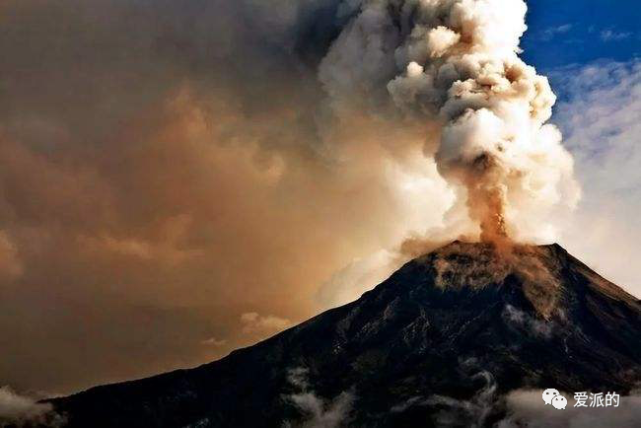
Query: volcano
[439, 343]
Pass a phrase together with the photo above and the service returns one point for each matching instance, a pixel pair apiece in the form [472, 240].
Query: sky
[564, 32]
[591, 51]
[175, 183]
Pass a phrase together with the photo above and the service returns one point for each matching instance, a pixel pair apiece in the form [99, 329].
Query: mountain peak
[461, 326]
[538, 271]
[535, 269]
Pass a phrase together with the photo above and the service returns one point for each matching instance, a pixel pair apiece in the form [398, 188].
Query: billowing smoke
[455, 64]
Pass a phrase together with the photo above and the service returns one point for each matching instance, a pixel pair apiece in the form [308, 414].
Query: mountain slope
[438, 343]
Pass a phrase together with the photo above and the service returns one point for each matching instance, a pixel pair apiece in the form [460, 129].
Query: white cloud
[600, 120]
[212, 341]
[264, 325]
[450, 411]
[318, 412]
[526, 408]
[551, 32]
[18, 411]
[614, 36]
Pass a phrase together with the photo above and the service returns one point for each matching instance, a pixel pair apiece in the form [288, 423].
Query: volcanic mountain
[440, 343]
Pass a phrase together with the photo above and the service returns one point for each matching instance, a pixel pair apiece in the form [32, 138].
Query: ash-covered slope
[439, 343]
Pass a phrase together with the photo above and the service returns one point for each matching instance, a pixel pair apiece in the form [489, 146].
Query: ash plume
[455, 64]
[170, 166]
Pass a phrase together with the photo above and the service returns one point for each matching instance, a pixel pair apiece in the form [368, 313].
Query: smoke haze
[183, 178]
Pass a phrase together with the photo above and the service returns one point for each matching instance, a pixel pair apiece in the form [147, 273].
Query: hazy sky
[172, 187]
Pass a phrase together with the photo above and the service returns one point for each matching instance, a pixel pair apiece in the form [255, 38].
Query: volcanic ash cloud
[454, 64]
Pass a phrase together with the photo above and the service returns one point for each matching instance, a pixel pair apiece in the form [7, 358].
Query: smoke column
[455, 64]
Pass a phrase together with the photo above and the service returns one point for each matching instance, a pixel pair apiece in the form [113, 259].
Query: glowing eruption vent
[454, 64]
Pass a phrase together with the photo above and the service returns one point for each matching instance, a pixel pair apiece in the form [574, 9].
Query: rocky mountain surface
[440, 343]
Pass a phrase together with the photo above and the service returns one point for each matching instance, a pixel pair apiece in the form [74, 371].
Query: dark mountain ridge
[439, 343]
